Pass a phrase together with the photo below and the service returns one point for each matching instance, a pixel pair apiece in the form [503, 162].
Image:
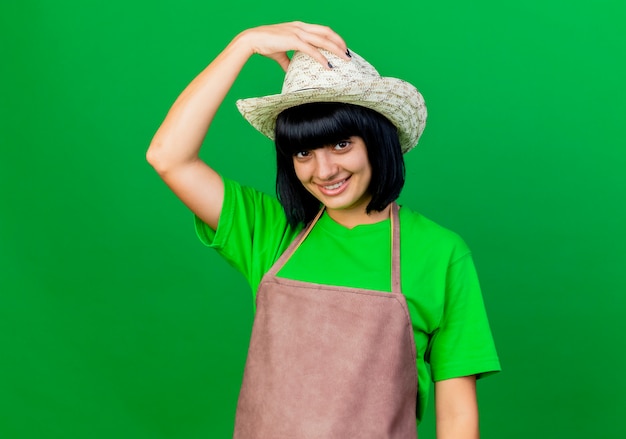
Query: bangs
[314, 125]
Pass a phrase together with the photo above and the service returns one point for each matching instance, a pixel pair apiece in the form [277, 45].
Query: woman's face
[337, 175]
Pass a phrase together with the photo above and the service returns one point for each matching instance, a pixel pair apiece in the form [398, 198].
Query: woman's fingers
[274, 41]
[316, 37]
[324, 37]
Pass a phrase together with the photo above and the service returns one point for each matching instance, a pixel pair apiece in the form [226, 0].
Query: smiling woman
[339, 177]
[361, 147]
[348, 348]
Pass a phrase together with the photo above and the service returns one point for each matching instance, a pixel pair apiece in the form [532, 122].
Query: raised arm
[174, 150]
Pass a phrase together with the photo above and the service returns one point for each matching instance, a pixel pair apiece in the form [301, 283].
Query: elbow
[165, 156]
[156, 159]
[152, 155]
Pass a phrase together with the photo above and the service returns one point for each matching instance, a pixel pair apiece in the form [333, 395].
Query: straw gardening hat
[354, 82]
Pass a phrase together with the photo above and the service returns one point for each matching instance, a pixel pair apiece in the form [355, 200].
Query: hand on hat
[274, 41]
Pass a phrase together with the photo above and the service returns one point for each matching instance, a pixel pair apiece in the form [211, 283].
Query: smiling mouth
[336, 185]
[335, 188]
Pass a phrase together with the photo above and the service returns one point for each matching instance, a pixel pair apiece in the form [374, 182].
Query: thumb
[282, 59]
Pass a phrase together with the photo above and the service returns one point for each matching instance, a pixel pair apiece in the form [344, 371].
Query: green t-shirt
[438, 278]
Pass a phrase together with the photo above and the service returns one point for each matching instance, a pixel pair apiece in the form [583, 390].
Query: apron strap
[395, 247]
[299, 239]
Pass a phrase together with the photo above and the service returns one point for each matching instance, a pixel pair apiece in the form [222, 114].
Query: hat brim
[394, 98]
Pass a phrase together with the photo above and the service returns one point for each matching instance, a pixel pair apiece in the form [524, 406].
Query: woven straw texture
[353, 82]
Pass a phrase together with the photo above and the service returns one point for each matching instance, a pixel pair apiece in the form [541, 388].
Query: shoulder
[421, 232]
[246, 212]
[235, 189]
[249, 201]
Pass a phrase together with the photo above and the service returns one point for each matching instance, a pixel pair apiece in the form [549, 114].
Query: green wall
[115, 322]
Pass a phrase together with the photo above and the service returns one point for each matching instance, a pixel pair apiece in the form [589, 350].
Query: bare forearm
[181, 134]
[460, 427]
[457, 408]
[175, 147]
[178, 140]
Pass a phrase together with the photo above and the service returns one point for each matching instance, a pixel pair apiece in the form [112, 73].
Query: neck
[351, 218]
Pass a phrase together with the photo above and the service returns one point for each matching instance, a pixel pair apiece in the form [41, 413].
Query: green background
[115, 322]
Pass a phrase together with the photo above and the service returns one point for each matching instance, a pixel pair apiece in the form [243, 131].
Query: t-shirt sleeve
[251, 233]
[463, 344]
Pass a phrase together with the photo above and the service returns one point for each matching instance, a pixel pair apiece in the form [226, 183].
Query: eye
[342, 145]
[302, 154]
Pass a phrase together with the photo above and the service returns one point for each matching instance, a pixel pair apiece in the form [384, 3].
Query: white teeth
[334, 186]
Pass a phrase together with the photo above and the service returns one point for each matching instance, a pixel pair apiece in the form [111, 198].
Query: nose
[326, 166]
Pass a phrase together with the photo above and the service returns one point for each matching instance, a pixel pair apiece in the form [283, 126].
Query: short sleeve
[463, 344]
[251, 233]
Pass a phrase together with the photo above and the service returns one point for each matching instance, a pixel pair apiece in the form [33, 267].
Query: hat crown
[353, 81]
[305, 73]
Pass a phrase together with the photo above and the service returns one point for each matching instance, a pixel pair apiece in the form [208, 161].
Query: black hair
[314, 125]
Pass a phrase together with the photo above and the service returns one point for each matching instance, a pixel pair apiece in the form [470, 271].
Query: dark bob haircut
[314, 125]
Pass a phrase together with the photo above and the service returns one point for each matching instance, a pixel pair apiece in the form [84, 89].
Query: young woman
[360, 305]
